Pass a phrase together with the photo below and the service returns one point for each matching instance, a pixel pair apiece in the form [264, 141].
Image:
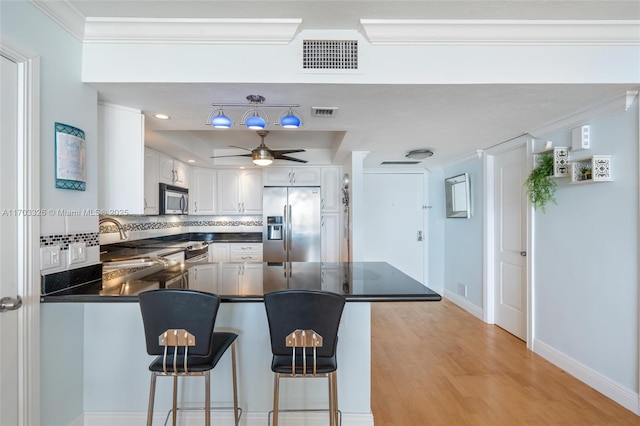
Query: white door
[9, 389]
[394, 221]
[510, 242]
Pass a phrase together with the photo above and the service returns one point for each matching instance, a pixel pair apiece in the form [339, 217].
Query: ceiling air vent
[399, 163]
[324, 111]
[330, 54]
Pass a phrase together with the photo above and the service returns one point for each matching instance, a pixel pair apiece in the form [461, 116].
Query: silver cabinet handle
[195, 204]
[10, 304]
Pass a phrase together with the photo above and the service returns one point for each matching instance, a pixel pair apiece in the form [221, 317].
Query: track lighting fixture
[255, 117]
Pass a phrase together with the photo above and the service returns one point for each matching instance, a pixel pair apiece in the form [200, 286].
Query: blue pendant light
[255, 122]
[290, 121]
[221, 121]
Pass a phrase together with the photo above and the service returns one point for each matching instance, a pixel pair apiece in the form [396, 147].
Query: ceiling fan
[263, 155]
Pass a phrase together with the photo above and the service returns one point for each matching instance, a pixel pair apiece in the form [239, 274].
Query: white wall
[586, 254]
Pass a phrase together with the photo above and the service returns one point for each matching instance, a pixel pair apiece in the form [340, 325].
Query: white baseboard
[623, 396]
[221, 418]
[464, 304]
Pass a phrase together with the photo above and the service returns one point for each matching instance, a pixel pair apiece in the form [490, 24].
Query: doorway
[507, 293]
[394, 221]
[19, 238]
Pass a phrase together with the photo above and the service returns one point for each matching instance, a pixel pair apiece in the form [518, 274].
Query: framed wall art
[71, 167]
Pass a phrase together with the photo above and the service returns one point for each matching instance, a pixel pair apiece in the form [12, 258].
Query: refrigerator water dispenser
[274, 227]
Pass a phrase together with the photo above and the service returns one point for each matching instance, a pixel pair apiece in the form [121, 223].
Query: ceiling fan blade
[239, 147]
[236, 155]
[286, 151]
[286, 157]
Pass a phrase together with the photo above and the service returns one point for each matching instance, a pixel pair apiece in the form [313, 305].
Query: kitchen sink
[141, 262]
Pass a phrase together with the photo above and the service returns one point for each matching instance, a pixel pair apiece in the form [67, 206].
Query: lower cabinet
[235, 252]
[330, 237]
[204, 278]
[242, 279]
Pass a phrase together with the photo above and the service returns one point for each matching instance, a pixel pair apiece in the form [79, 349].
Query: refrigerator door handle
[290, 231]
[284, 228]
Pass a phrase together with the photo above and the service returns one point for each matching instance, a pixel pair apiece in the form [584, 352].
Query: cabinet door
[229, 279]
[151, 188]
[229, 191]
[331, 189]
[165, 172]
[204, 278]
[251, 192]
[181, 174]
[305, 176]
[202, 192]
[251, 280]
[120, 131]
[330, 280]
[219, 252]
[276, 176]
[330, 238]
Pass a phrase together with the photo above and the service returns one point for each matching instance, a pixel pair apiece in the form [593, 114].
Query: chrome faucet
[123, 233]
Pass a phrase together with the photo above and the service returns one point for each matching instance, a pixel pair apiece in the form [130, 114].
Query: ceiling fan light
[256, 122]
[261, 157]
[290, 121]
[221, 121]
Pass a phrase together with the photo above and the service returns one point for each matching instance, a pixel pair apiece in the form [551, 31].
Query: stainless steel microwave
[173, 199]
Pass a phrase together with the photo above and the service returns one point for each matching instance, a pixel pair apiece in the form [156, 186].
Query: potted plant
[541, 188]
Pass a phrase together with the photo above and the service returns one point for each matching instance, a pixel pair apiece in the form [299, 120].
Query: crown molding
[64, 14]
[199, 31]
[501, 32]
[471, 156]
[615, 105]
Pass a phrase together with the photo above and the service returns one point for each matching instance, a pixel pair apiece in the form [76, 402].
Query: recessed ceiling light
[162, 116]
[191, 161]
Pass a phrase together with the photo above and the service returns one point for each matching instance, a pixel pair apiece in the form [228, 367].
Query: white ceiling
[451, 120]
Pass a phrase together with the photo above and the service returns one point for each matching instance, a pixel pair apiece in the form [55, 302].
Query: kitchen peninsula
[114, 377]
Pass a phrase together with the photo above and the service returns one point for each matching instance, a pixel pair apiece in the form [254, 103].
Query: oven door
[197, 253]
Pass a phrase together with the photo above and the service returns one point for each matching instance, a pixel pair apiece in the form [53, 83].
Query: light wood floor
[436, 364]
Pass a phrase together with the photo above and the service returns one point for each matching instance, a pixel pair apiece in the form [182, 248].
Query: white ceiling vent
[324, 111]
[330, 54]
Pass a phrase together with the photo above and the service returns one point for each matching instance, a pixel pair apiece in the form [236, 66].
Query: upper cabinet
[239, 191]
[151, 180]
[202, 191]
[173, 172]
[331, 188]
[121, 159]
[291, 176]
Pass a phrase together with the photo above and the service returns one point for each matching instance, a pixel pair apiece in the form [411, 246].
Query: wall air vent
[330, 55]
[324, 111]
[399, 163]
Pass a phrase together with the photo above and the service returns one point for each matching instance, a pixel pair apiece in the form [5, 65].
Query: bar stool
[178, 327]
[303, 325]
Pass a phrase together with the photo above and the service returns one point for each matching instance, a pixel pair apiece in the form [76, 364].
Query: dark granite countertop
[248, 282]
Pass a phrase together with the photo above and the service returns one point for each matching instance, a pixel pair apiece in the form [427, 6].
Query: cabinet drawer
[246, 257]
[246, 248]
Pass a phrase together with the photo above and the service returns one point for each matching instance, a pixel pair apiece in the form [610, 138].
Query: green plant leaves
[541, 189]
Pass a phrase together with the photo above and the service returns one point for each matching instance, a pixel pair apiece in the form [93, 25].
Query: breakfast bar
[106, 353]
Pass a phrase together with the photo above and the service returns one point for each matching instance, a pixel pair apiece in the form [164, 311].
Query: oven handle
[198, 258]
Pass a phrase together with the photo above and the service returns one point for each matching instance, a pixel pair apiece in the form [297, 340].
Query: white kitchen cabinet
[151, 180]
[173, 172]
[202, 192]
[121, 159]
[291, 176]
[331, 186]
[330, 279]
[204, 278]
[240, 278]
[330, 237]
[246, 252]
[239, 191]
[219, 252]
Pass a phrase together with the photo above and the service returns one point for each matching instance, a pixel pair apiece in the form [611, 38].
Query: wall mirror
[458, 197]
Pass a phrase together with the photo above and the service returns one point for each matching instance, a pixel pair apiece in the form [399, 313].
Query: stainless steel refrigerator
[291, 224]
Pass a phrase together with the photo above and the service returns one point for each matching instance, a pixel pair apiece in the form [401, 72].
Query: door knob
[523, 253]
[10, 304]
[420, 236]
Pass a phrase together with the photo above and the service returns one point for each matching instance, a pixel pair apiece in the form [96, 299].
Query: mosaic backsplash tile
[89, 238]
[147, 226]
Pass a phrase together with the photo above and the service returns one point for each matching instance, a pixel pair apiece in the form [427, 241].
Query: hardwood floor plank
[436, 364]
